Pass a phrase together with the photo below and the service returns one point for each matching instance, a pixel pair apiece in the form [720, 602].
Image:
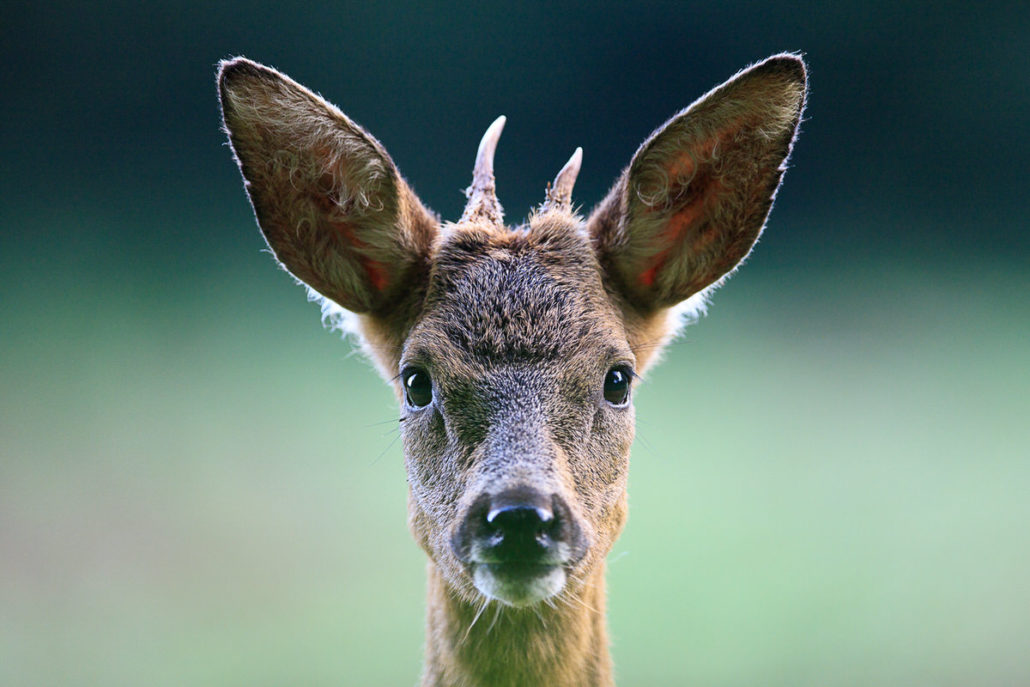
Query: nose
[520, 525]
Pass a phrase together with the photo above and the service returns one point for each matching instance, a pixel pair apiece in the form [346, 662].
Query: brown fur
[516, 327]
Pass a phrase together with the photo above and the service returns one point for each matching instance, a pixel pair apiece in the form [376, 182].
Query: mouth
[518, 584]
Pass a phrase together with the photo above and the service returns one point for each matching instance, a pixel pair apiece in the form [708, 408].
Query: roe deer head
[513, 350]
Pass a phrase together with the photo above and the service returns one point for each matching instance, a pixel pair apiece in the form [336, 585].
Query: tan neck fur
[562, 644]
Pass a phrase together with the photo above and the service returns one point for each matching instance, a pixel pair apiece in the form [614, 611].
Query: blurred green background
[830, 484]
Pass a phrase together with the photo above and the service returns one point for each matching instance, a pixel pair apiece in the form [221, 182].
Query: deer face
[513, 350]
[517, 420]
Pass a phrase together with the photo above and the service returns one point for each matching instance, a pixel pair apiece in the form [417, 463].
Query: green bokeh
[828, 487]
[830, 482]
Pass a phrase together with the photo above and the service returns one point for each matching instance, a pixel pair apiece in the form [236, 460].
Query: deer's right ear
[329, 200]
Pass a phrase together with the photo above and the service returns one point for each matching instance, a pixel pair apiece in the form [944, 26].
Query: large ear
[696, 195]
[328, 198]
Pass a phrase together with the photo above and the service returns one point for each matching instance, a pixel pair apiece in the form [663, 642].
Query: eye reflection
[418, 387]
[616, 386]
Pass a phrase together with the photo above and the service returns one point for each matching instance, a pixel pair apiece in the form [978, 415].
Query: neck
[559, 644]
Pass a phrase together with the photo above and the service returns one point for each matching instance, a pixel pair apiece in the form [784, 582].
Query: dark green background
[830, 483]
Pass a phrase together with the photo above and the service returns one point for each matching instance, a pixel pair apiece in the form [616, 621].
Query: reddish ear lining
[375, 271]
[704, 189]
[681, 222]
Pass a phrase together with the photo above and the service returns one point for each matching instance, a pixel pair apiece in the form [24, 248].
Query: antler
[482, 194]
[559, 194]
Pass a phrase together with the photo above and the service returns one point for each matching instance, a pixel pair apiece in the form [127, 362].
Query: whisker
[584, 604]
[641, 439]
[385, 450]
[497, 614]
[384, 422]
[619, 556]
[482, 608]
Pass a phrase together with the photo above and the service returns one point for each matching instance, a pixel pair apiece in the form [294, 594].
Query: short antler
[482, 194]
[559, 194]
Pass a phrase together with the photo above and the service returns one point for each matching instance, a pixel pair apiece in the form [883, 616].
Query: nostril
[518, 512]
[519, 524]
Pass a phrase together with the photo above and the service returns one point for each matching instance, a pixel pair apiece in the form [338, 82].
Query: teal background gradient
[830, 484]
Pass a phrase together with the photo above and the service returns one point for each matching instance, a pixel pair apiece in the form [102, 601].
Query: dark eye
[616, 386]
[418, 387]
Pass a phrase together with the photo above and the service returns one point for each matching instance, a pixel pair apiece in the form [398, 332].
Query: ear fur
[696, 196]
[328, 198]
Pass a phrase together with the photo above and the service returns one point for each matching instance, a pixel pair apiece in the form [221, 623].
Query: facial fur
[513, 350]
[517, 335]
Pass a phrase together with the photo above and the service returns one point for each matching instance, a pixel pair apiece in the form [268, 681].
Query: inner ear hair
[697, 193]
[328, 198]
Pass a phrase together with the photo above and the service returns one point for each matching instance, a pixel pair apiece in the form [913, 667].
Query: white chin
[522, 588]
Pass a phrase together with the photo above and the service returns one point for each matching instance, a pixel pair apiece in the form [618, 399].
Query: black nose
[519, 525]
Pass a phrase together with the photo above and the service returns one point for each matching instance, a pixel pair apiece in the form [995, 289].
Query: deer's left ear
[696, 195]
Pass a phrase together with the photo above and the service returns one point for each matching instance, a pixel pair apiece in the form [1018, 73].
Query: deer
[514, 351]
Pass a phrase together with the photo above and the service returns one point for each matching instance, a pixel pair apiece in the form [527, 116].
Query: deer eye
[616, 386]
[418, 387]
